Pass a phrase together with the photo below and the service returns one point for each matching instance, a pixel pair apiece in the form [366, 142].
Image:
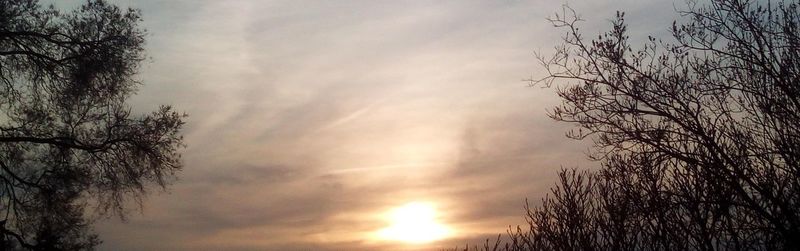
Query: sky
[311, 121]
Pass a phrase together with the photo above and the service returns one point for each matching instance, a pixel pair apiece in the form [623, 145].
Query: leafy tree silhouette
[698, 138]
[68, 141]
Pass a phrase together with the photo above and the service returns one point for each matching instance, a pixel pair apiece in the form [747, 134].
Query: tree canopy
[69, 143]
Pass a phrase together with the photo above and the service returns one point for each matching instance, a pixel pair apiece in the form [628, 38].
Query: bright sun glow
[414, 223]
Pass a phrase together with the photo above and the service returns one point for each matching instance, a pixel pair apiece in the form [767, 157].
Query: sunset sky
[312, 123]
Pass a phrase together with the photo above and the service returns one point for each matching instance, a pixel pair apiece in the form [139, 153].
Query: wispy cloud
[310, 119]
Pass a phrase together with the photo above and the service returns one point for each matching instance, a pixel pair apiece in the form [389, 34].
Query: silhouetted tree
[698, 138]
[68, 141]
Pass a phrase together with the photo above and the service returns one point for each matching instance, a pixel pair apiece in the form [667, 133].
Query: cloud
[307, 121]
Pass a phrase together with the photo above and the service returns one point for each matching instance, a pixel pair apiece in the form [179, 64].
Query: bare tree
[698, 137]
[68, 140]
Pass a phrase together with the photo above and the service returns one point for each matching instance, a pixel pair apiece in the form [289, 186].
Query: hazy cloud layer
[310, 119]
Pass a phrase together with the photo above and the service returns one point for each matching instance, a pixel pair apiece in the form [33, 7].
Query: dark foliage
[69, 145]
[698, 138]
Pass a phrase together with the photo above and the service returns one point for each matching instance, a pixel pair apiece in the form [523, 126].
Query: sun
[414, 223]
